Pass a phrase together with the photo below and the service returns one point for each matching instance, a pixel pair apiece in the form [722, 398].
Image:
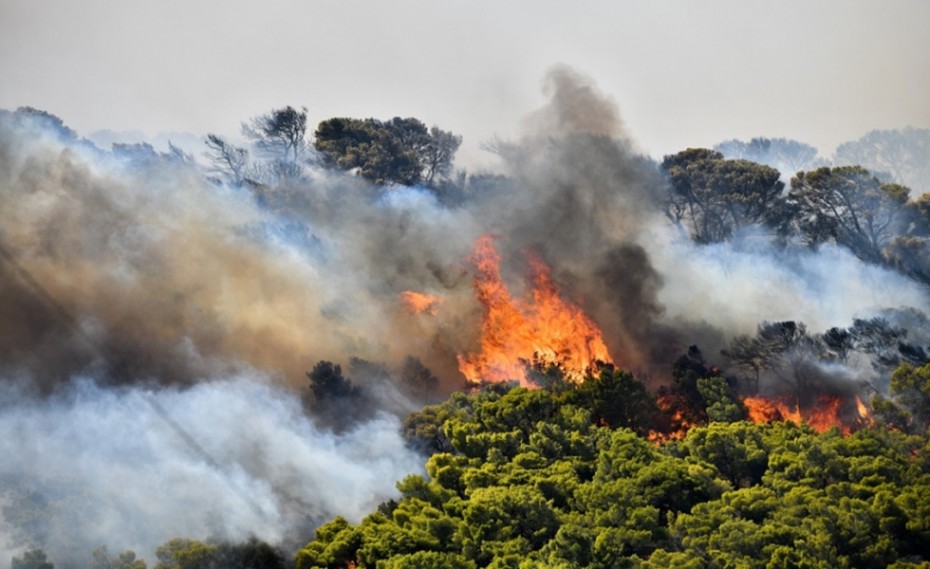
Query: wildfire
[826, 414]
[420, 303]
[678, 423]
[515, 331]
[861, 408]
[865, 417]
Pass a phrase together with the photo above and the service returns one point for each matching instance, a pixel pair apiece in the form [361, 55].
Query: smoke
[576, 106]
[92, 465]
[146, 271]
[733, 286]
[152, 273]
[591, 206]
[157, 286]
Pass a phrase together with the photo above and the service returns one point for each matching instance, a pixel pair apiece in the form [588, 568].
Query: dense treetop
[398, 151]
[563, 477]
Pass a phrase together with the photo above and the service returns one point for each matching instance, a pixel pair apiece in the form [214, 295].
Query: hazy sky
[682, 73]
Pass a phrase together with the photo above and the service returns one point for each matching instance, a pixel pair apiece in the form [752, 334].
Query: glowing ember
[821, 417]
[420, 303]
[678, 423]
[514, 331]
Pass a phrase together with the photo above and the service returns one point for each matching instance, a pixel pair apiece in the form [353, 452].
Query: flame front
[821, 417]
[513, 332]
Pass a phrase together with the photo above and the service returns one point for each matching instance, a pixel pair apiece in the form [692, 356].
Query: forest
[566, 476]
[333, 349]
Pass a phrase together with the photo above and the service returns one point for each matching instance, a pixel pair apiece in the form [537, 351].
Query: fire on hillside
[544, 328]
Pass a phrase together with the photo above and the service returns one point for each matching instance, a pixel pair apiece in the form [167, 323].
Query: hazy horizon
[682, 74]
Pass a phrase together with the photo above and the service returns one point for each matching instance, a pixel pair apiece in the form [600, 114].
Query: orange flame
[826, 415]
[822, 417]
[514, 331]
[764, 410]
[865, 416]
[419, 303]
[862, 409]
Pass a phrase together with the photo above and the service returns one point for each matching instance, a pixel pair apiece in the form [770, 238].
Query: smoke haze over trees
[223, 351]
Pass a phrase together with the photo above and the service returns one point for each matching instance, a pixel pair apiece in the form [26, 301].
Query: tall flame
[513, 331]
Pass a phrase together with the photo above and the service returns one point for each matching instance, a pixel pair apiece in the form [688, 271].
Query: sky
[682, 74]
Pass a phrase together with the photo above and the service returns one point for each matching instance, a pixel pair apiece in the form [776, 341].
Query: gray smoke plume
[160, 285]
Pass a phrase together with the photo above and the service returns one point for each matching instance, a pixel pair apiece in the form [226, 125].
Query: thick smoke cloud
[133, 467]
[157, 286]
[735, 286]
[152, 273]
[147, 272]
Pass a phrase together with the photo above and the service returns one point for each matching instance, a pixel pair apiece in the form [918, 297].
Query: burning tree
[514, 332]
[804, 389]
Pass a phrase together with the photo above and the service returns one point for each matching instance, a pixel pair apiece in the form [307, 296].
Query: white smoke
[735, 285]
[133, 467]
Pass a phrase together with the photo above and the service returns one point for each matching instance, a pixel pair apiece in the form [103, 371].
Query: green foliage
[911, 256]
[424, 430]
[911, 387]
[428, 560]
[908, 408]
[736, 450]
[398, 151]
[698, 394]
[860, 204]
[617, 399]
[184, 554]
[714, 198]
[543, 478]
[722, 403]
